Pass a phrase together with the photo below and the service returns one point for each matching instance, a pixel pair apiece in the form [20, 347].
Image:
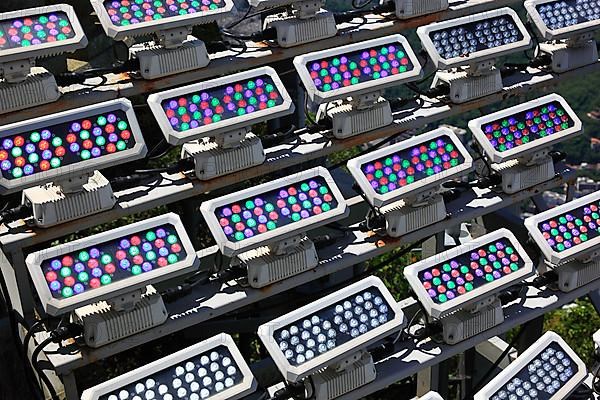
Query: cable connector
[173, 293]
[276, 138]
[13, 214]
[79, 77]
[347, 16]
[291, 390]
[545, 279]
[66, 332]
[557, 156]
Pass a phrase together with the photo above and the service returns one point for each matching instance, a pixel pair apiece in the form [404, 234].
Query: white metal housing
[243, 388]
[146, 28]
[230, 248]
[226, 125]
[376, 199]
[345, 350]
[576, 251]
[478, 56]
[54, 306]
[48, 49]
[440, 310]
[563, 33]
[413, 8]
[476, 126]
[373, 85]
[529, 356]
[79, 168]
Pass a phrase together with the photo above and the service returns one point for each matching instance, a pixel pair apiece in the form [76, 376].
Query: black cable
[40, 371]
[276, 138]
[22, 211]
[391, 259]
[241, 19]
[583, 392]
[496, 363]
[356, 5]
[79, 77]
[368, 150]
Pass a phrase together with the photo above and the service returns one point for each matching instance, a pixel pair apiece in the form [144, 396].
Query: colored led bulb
[220, 103]
[112, 261]
[64, 144]
[468, 271]
[276, 208]
[129, 12]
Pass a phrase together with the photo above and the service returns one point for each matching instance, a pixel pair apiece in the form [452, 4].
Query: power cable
[40, 371]
[496, 363]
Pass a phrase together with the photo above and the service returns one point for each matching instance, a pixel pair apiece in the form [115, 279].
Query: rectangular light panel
[517, 130]
[273, 211]
[316, 335]
[358, 68]
[213, 369]
[220, 105]
[413, 165]
[560, 19]
[569, 230]
[68, 143]
[548, 370]
[109, 263]
[39, 32]
[450, 280]
[467, 40]
[123, 18]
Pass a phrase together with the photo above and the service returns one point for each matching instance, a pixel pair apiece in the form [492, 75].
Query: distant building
[595, 144]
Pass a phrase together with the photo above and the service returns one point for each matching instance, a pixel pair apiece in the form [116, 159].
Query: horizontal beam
[171, 188]
[212, 300]
[259, 54]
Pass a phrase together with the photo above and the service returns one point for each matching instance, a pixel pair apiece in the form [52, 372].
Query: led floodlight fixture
[465, 49]
[114, 266]
[568, 26]
[413, 8]
[265, 226]
[68, 148]
[212, 369]
[360, 71]
[404, 179]
[327, 340]
[303, 21]
[569, 238]
[220, 113]
[460, 286]
[26, 35]
[170, 22]
[548, 370]
[518, 139]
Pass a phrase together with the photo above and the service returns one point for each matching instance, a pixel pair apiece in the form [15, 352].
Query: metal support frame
[227, 62]
[410, 357]
[218, 299]
[212, 300]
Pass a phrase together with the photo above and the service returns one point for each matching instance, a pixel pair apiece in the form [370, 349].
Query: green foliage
[576, 325]
[390, 269]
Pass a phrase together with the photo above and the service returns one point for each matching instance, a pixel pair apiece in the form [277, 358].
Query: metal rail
[216, 299]
[410, 356]
[227, 62]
